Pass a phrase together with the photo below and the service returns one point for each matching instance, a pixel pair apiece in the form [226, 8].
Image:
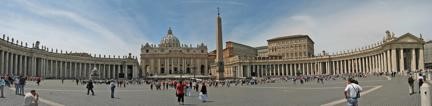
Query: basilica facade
[171, 59]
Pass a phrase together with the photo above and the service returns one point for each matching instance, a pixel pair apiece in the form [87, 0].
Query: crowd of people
[198, 87]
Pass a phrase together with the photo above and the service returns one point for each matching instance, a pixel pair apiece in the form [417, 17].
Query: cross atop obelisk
[219, 50]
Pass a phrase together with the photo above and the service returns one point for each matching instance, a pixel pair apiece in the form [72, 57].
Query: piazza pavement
[377, 91]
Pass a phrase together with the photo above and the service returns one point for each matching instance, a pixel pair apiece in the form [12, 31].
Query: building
[17, 58]
[233, 49]
[428, 54]
[262, 51]
[171, 59]
[294, 46]
[237, 49]
[401, 54]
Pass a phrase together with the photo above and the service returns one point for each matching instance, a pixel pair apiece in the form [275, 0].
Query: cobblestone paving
[393, 93]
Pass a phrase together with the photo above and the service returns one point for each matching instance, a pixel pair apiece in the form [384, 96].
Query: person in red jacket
[180, 92]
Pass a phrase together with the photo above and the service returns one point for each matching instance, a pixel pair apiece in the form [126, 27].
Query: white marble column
[2, 70]
[413, 60]
[401, 62]
[7, 63]
[380, 62]
[393, 60]
[421, 59]
[389, 63]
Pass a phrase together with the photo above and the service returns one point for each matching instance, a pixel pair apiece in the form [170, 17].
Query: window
[147, 51]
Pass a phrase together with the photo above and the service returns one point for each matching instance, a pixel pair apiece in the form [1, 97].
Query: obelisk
[219, 52]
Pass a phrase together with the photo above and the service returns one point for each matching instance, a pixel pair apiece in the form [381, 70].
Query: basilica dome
[169, 40]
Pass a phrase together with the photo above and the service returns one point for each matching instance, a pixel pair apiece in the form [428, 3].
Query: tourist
[77, 81]
[180, 92]
[31, 99]
[420, 81]
[151, 85]
[90, 87]
[38, 80]
[352, 92]
[17, 86]
[2, 85]
[112, 86]
[22, 82]
[203, 94]
[411, 84]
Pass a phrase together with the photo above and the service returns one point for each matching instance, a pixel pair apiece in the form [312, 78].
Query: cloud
[66, 29]
[347, 28]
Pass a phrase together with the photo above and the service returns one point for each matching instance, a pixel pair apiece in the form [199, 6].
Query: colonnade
[402, 55]
[16, 60]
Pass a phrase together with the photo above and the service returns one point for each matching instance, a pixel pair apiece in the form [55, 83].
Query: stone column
[349, 64]
[71, 71]
[413, 60]
[76, 70]
[61, 70]
[42, 67]
[110, 71]
[280, 70]
[421, 59]
[2, 70]
[363, 61]
[380, 62]
[393, 60]
[338, 67]
[14, 67]
[7, 63]
[345, 66]
[303, 68]
[334, 67]
[401, 62]
[308, 69]
[389, 61]
[51, 68]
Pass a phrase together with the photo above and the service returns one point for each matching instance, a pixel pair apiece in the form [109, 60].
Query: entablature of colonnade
[406, 41]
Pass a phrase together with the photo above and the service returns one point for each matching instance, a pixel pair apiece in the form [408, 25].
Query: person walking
[203, 93]
[411, 84]
[90, 87]
[22, 82]
[17, 86]
[112, 86]
[38, 80]
[31, 99]
[2, 85]
[352, 92]
[420, 81]
[180, 92]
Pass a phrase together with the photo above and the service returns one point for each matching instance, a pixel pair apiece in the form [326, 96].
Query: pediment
[408, 38]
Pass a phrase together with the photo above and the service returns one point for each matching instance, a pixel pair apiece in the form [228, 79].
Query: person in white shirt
[352, 92]
[2, 85]
[112, 87]
[31, 99]
[420, 81]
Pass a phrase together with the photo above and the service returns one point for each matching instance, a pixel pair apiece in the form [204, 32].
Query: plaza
[377, 91]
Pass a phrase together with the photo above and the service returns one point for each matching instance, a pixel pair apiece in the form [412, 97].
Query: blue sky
[117, 27]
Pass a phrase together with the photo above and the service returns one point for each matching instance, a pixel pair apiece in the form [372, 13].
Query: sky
[119, 27]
